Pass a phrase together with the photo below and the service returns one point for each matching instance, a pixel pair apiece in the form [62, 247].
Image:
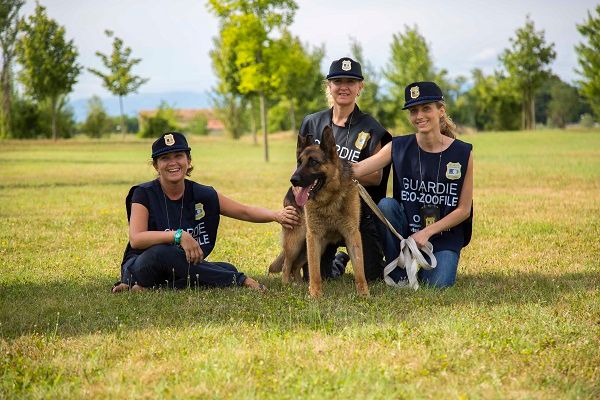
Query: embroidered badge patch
[199, 214]
[169, 140]
[414, 92]
[453, 170]
[346, 65]
[362, 139]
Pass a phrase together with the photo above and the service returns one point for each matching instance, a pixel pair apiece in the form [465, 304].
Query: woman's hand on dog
[288, 217]
[193, 251]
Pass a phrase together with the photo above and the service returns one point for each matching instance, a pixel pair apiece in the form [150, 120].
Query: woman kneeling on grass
[433, 186]
[173, 226]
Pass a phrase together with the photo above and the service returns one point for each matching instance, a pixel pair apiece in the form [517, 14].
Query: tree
[97, 122]
[565, 104]
[163, 121]
[49, 67]
[227, 100]
[491, 103]
[371, 99]
[588, 56]
[119, 80]
[410, 61]
[246, 34]
[298, 73]
[9, 24]
[198, 125]
[527, 65]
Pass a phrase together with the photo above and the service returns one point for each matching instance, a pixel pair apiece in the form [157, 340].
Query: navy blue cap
[169, 142]
[421, 93]
[345, 68]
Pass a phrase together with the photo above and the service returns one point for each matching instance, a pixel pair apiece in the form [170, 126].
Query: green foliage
[161, 122]
[558, 103]
[587, 121]
[9, 28]
[199, 125]
[410, 61]
[588, 56]
[298, 72]
[33, 120]
[48, 62]
[491, 103]
[231, 109]
[242, 61]
[120, 81]
[521, 322]
[97, 123]
[371, 99]
[527, 65]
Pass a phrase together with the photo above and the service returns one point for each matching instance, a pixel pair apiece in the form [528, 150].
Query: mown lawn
[523, 320]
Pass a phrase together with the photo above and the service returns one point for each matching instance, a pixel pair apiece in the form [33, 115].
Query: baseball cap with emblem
[421, 93]
[345, 68]
[169, 142]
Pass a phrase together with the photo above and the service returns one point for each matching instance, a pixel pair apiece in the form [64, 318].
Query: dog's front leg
[313, 249]
[354, 246]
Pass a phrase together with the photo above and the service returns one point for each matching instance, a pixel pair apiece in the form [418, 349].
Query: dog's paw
[363, 290]
[315, 293]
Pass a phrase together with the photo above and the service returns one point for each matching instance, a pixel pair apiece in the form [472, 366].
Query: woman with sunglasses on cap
[173, 226]
[358, 136]
[433, 186]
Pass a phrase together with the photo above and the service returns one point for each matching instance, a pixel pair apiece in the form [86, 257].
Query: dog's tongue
[301, 195]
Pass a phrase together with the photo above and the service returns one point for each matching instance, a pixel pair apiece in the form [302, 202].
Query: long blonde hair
[447, 126]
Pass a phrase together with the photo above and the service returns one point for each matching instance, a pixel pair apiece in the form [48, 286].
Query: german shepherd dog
[328, 201]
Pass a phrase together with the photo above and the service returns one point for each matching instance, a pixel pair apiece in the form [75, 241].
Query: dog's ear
[328, 143]
[304, 142]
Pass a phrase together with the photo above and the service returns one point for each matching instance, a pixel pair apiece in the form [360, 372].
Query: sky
[173, 37]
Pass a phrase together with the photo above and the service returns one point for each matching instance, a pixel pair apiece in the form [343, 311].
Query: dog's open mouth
[302, 194]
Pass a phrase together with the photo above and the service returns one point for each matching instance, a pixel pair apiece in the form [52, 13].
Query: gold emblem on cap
[346, 65]
[169, 139]
[362, 140]
[414, 92]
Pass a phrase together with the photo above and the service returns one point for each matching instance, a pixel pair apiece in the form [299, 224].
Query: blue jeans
[444, 275]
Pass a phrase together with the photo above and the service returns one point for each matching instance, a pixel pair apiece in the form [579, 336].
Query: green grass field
[523, 320]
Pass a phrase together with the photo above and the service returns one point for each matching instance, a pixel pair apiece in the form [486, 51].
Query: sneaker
[338, 267]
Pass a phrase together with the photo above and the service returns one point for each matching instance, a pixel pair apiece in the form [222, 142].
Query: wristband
[177, 238]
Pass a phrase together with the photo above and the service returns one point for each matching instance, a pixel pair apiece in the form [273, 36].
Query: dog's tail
[277, 265]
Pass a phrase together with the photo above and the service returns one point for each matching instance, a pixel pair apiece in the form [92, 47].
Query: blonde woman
[433, 185]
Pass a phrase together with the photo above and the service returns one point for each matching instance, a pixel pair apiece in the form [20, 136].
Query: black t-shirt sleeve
[140, 196]
[304, 126]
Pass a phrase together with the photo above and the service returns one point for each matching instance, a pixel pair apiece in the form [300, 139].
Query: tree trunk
[6, 97]
[123, 126]
[54, 111]
[292, 116]
[253, 123]
[263, 118]
[532, 108]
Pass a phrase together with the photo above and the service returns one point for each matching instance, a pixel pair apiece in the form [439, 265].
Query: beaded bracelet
[177, 238]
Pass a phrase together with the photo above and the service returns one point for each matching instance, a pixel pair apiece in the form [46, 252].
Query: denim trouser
[163, 264]
[444, 275]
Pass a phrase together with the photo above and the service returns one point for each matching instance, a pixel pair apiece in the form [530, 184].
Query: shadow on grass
[81, 308]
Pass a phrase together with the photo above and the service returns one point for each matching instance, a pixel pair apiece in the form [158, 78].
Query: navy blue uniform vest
[440, 184]
[200, 214]
[355, 141]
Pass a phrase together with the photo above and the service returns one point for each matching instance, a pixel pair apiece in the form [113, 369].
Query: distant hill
[144, 101]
